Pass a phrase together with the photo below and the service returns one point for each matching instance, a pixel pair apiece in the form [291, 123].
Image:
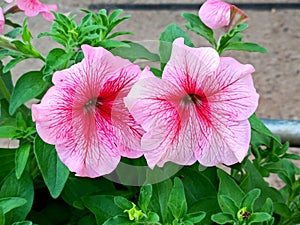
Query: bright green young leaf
[21, 158]
[177, 202]
[54, 172]
[145, 197]
[9, 203]
[166, 39]
[29, 86]
[249, 199]
[229, 187]
[102, 206]
[196, 25]
[222, 218]
[228, 205]
[22, 188]
[135, 51]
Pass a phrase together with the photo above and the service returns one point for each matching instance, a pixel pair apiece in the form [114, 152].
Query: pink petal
[90, 150]
[228, 144]
[230, 91]
[2, 20]
[9, 1]
[31, 7]
[48, 14]
[188, 65]
[215, 13]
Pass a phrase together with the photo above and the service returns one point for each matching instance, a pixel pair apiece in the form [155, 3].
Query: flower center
[90, 105]
[192, 98]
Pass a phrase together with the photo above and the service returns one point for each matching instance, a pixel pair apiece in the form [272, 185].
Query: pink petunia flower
[85, 117]
[197, 111]
[34, 7]
[2, 20]
[216, 14]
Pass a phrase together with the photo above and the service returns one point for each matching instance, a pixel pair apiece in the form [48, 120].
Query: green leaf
[231, 37]
[228, 205]
[2, 217]
[166, 39]
[29, 86]
[246, 46]
[102, 206]
[110, 44]
[258, 126]
[253, 179]
[123, 203]
[222, 218]
[119, 220]
[54, 172]
[249, 199]
[7, 81]
[229, 187]
[27, 49]
[119, 33]
[268, 206]
[14, 33]
[195, 217]
[55, 58]
[145, 197]
[135, 51]
[177, 202]
[78, 187]
[12, 63]
[23, 223]
[10, 203]
[7, 161]
[21, 158]
[26, 35]
[159, 200]
[196, 25]
[8, 131]
[258, 217]
[22, 188]
[282, 209]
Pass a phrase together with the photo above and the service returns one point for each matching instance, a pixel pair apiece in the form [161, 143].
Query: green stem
[4, 90]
